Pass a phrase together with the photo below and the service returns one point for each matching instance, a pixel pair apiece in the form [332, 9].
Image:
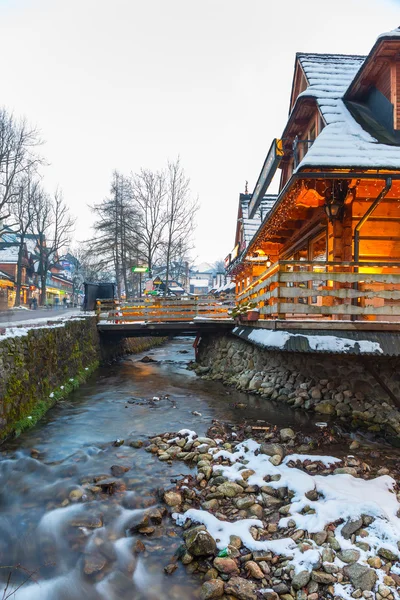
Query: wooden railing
[162, 310]
[324, 289]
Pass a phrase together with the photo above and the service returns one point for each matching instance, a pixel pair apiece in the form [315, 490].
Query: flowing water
[52, 524]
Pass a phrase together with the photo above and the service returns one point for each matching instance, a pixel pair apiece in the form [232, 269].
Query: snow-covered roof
[251, 226]
[342, 142]
[9, 254]
[4, 275]
[199, 282]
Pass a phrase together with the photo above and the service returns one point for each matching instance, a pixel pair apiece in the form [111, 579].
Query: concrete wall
[43, 366]
[341, 386]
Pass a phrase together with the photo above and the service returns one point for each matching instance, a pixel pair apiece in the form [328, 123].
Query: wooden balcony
[327, 291]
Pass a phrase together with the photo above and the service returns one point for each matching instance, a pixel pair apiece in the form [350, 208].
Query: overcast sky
[131, 83]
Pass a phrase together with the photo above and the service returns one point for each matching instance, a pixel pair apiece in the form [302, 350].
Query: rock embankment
[330, 385]
[264, 519]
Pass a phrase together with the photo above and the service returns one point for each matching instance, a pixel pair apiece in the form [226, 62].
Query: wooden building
[328, 245]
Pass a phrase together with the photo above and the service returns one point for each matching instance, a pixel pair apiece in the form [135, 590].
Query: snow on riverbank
[337, 501]
[20, 329]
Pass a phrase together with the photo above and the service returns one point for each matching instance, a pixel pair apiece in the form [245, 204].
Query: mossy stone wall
[43, 366]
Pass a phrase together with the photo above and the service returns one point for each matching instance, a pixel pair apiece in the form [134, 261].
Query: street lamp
[334, 210]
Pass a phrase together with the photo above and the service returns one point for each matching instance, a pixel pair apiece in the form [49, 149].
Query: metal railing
[324, 289]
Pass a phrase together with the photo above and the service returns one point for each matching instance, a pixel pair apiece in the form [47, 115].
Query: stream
[62, 509]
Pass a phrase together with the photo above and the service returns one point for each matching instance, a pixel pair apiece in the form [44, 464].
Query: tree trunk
[17, 301]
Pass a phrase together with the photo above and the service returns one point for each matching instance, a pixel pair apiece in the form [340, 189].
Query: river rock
[119, 470]
[322, 577]
[351, 527]
[226, 565]
[230, 489]
[214, 588]
[325, 408]
[349, 556]
[388, 555]
[276, 460]
[361, 577]
[254, 570]
[199, 542]
[243, 503]
[287, 434]
[172, 498]
[241, 588]
[301, 579]
[272, 449]
[93, 563]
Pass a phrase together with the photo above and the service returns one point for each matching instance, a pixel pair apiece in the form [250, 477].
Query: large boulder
[230, 489]
[272, 449]
[199, 542]
[361, 577]
[241, 588]
[212, 589]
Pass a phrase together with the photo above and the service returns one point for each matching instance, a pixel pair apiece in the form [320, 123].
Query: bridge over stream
[164, 316]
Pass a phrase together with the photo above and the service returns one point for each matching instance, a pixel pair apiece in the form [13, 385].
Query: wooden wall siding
[325, 289]
[383, 83]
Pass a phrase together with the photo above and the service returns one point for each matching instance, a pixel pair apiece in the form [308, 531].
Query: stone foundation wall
[43, 366]
[341, 386]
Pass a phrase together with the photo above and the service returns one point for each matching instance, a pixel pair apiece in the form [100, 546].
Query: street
[20, 314]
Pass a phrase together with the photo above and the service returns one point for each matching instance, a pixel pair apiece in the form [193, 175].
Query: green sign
[140, 269]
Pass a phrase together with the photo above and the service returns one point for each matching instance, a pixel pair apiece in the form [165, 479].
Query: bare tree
[23, 212]
[115, 241]
[149, 195]
[181, 210]
[54, 226]
[18, 143]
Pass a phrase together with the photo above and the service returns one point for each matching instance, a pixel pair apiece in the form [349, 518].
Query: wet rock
[147, 359]
[139, 547]
[301, 579]
[118, 442]
[287, 434]
[214, 588]
[226, 565]
[93, 563]
[351, 527]
[241, 588]
[119, 470]
[90, 521]
[169, 569]
[172, 498]
[199, 542]
[76, 495]
[360, 576]
[136, 444]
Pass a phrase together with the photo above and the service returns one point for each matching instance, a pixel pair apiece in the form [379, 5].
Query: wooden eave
[298, 71]
[383, 52]
[297, 203]
[303, 110]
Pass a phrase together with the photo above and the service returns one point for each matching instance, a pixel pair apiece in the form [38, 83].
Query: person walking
[56, 302]
[64, 301]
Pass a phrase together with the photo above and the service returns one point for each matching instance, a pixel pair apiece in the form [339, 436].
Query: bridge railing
[165, 309]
